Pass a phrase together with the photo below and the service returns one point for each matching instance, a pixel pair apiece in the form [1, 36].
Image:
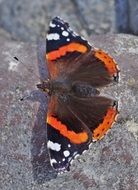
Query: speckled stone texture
[111, 163]
[26, 20]
[127, 16]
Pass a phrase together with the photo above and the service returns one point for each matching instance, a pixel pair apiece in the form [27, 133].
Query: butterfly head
[44, 86]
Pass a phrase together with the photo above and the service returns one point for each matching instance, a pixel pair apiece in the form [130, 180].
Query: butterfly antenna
[25, 97]
[27, 68]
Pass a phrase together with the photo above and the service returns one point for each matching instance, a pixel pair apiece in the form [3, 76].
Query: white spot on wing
[69, 145]
[68, 39]
[52, 25]
[65, 33]
[74, 34]
[83, 38]
[53, 36]
[76, 156]
[53, 146]
[13, 66]
[66, 153]
[53, 161]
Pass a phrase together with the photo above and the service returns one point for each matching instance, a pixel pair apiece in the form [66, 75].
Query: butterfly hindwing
[71, 127]
[67, 137]
[97, 112]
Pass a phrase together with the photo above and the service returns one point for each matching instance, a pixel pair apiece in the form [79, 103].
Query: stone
[24, 163]
[27, 20]
[95, 13]
[133, 12]
[126, 16]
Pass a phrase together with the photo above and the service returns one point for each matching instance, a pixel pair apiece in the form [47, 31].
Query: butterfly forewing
[63, 46]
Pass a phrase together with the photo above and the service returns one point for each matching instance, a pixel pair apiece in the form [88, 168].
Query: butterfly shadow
[42, 170]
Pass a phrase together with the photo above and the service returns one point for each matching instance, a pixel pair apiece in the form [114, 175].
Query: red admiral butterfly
[77, 115]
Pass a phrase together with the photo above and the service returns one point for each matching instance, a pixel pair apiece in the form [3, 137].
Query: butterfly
[77, 114]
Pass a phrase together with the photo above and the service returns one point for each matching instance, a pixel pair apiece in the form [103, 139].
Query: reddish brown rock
[24, 164]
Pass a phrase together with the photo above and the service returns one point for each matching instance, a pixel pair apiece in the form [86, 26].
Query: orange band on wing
[101, 130]
[108, 61]
[64, 49]
[76, 138]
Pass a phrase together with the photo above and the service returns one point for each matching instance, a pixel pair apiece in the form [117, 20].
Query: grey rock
[133, 12]
[111, 163]
[4, 34]
[122, 16]
[96, 13]
[127, 16]
[26, 20]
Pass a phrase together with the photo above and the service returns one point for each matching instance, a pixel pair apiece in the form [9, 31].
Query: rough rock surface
[126, 16]
[26, 20]
[111, 163]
